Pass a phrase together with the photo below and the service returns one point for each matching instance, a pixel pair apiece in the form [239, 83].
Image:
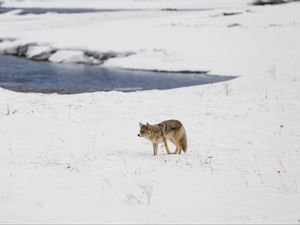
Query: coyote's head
[144, 130]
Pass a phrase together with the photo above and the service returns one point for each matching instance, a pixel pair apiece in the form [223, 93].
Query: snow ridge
[45, 52]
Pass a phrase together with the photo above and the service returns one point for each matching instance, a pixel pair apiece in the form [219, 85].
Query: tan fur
[172, 130]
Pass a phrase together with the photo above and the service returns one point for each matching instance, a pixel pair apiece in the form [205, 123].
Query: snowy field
[77, 158]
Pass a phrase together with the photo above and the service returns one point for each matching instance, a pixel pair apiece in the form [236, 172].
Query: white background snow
[77, 158]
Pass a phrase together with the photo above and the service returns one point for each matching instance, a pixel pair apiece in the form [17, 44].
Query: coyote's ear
[147, 125]
[141, 125]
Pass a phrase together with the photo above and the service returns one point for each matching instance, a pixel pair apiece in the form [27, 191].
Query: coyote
[169, 129]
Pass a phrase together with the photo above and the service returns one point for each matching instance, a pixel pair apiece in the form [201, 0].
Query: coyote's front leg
[155, 148]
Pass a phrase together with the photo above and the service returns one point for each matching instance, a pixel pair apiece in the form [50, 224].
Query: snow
[39, 52]
[77, 158]
[68, 56]
[9, 47]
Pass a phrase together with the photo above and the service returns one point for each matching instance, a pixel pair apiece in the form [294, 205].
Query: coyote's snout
[172, 130]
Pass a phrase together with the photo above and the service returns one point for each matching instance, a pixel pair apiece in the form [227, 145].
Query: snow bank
[14, 12]
[37, 51]
[9, 47]
[69, 56]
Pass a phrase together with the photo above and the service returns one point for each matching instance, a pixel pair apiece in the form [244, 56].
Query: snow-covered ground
[77, 158]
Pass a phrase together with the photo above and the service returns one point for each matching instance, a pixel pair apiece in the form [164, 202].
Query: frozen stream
[23, 75]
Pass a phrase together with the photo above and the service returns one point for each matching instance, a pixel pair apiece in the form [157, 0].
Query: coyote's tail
[183, 142]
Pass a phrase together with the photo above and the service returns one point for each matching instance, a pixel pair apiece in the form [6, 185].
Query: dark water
[22, 75]
[26, 11]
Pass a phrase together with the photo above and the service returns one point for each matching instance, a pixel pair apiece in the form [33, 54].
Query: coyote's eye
[144, 132]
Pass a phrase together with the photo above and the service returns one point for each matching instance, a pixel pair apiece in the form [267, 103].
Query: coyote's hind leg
[178, 147]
